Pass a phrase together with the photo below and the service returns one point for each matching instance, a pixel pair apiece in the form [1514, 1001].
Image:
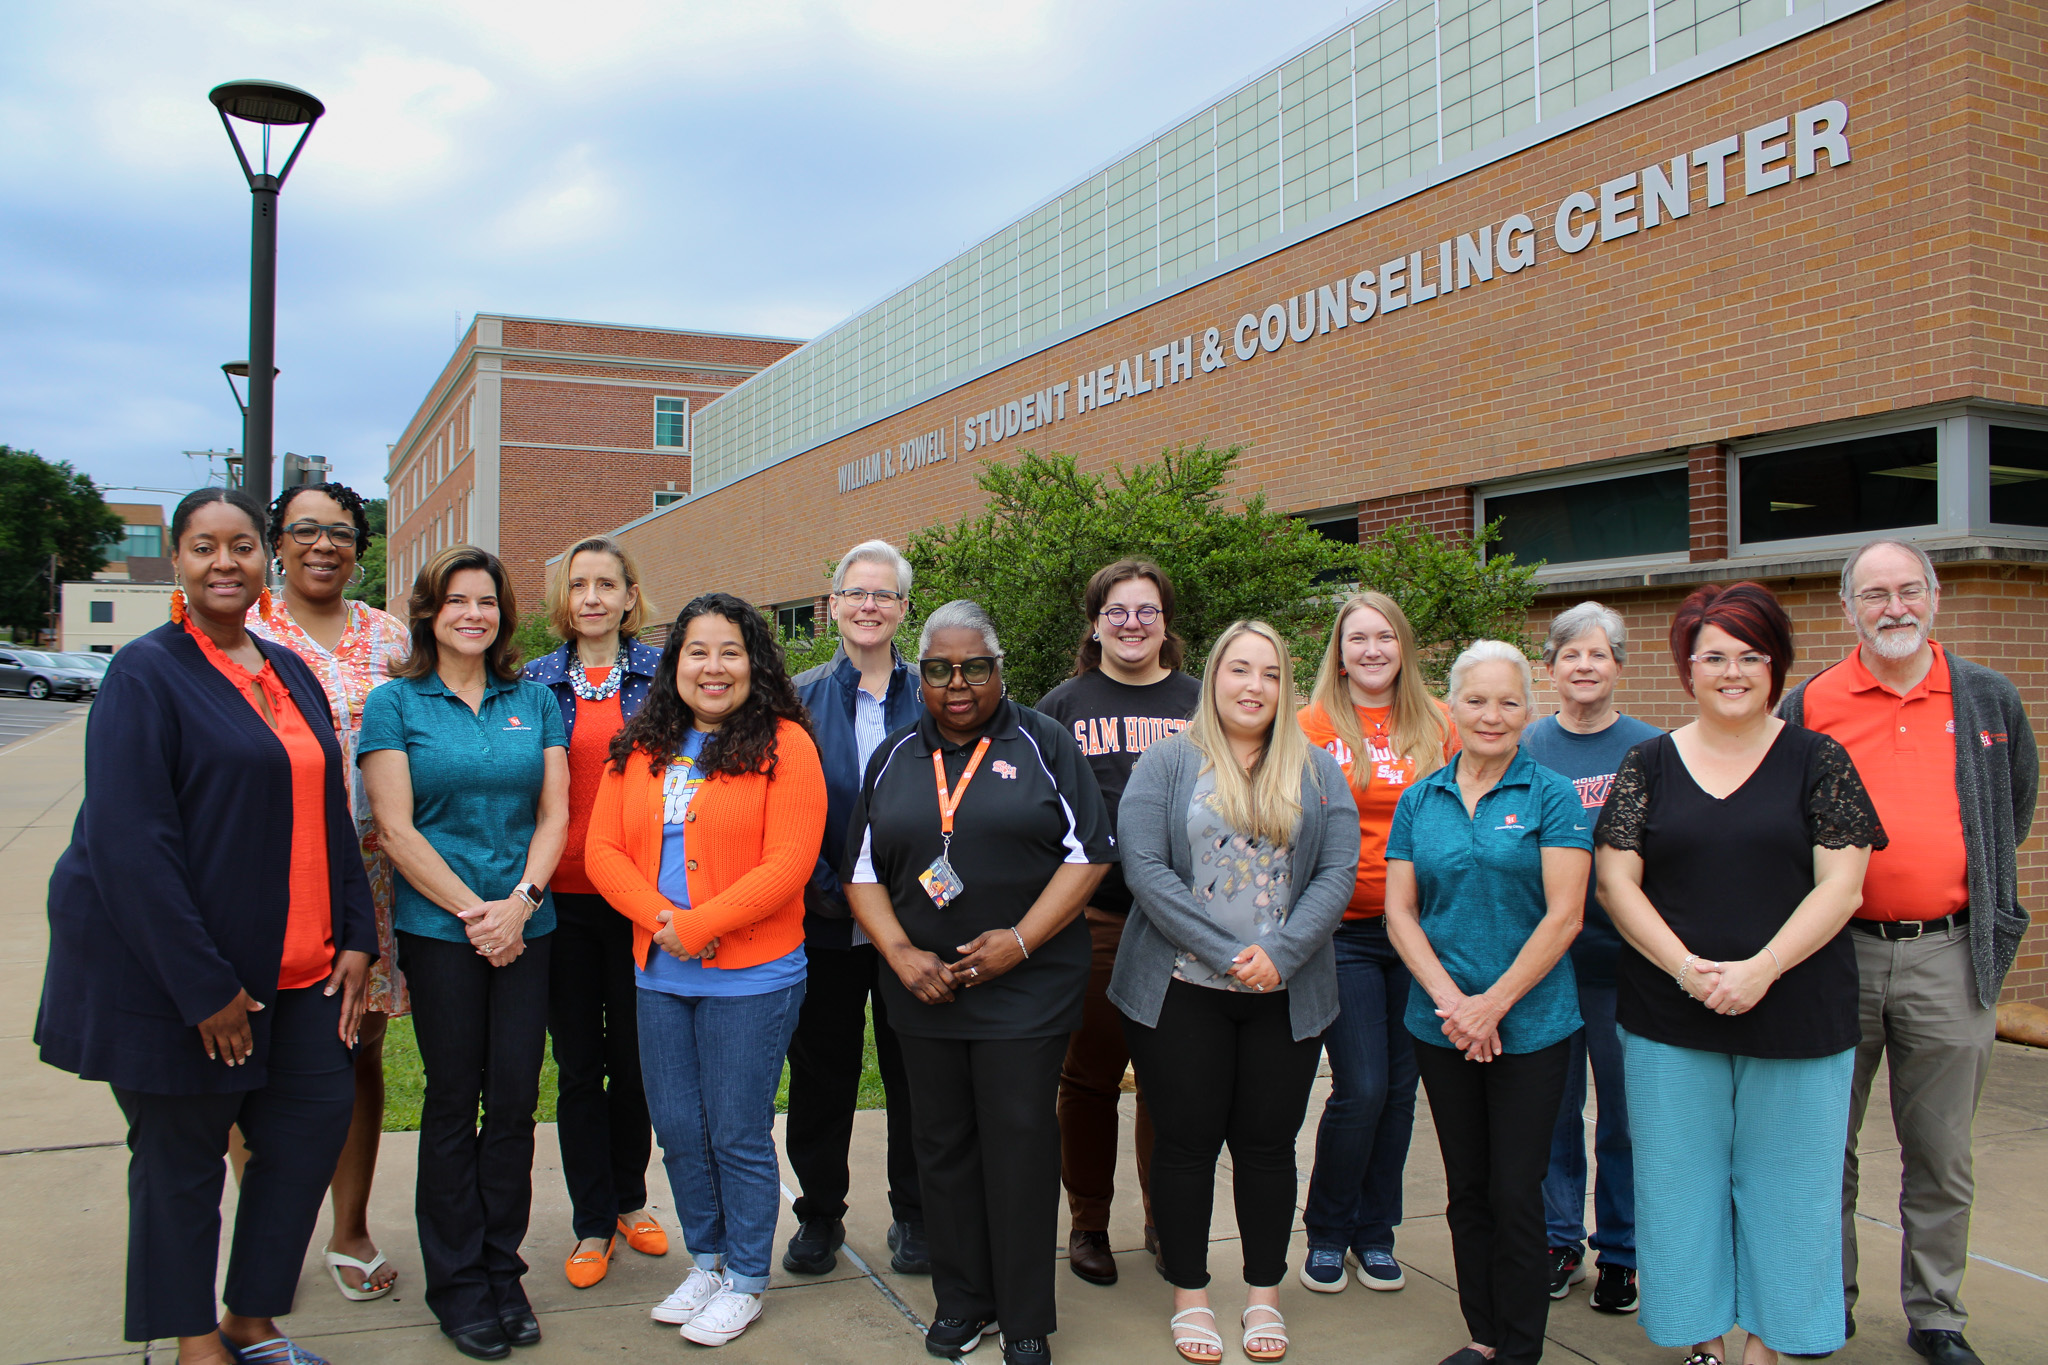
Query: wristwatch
[530, 892]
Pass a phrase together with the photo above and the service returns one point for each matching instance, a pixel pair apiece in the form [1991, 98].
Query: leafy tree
[374, 564]
[1048, 527]
[46, 508]
[535, 636]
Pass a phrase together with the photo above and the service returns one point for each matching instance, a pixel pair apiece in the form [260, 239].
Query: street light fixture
[239, 369]
[267, 104]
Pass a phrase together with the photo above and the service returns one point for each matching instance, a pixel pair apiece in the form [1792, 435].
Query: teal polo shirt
[1479, 882]
[476, 781]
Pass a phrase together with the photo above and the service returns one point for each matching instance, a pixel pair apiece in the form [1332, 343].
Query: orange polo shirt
[1905, 752]
[1377, 792]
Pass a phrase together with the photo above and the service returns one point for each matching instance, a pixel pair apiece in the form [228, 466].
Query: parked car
[38, 676]
[97, 663]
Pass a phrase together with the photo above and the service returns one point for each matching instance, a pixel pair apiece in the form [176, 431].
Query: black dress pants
[295, 1126]
[481, 1030]
[594, 1015]
[824, 1086]
[988, 1149]
[1493, 1124]
[1223, 1066]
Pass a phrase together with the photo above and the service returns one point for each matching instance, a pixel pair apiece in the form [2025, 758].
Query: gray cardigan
[1998, 772]
[1152, 832]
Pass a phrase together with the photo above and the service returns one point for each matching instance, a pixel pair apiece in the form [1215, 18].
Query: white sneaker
[724, 1318]
[697, 1290]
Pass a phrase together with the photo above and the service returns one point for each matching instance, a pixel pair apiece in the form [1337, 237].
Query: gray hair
[1490, 652]
[960, 614]
[874, 552]
[1849, 564]
[1584, 619]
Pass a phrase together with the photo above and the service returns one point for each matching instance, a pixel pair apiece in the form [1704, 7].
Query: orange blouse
[590, 751]
[309, 925]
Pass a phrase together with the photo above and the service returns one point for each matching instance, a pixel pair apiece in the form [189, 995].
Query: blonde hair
[1419, 728]
[561, 612]
[1266, 802]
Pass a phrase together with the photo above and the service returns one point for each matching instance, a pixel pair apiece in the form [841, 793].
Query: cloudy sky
[769, 166]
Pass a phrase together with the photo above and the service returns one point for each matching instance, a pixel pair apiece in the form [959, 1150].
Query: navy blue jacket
[827, 693]
[552, 672]
[174, 893]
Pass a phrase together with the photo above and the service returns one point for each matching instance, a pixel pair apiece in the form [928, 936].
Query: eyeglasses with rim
[1909, 595]
[1744, 663]
[860, 597]
[1118, 615]
[974, 672]
[341, 535]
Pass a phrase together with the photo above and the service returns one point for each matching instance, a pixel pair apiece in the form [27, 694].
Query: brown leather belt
[1897, 929]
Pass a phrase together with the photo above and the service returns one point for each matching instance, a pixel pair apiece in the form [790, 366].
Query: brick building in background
[538, 431]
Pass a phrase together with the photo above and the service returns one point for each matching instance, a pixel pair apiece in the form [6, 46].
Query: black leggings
[1223, 1066]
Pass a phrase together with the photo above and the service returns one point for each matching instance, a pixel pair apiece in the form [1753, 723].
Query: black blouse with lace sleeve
[1726, 873]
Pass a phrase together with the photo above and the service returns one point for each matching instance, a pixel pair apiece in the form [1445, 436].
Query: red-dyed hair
[1747, 611]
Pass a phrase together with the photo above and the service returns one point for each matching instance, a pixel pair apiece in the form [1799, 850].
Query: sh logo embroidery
[513, 725]
[1987, 738]
[1511, 824]
[1006, 771]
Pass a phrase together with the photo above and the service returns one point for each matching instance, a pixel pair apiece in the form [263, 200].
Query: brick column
[1707, 502]
[1446, 511]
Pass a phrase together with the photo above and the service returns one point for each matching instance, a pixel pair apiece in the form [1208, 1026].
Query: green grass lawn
[405, 1082]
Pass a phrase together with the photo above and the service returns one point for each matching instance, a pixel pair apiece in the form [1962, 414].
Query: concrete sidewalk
[63, 1218]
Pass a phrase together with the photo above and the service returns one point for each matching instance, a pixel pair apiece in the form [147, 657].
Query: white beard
[1895, 644]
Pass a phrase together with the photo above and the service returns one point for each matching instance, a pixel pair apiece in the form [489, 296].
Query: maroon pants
[1091, 1080]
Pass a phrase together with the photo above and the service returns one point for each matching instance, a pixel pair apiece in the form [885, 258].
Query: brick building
[538, 431]
[1679, 290]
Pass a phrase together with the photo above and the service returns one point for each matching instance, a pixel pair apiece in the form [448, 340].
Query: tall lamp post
[268, 105]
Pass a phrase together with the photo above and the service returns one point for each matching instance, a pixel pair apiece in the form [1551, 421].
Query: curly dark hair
[237, 498]
[746, 742]
[350, 500]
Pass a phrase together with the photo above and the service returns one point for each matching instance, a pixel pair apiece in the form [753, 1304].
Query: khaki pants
[1919, 1005]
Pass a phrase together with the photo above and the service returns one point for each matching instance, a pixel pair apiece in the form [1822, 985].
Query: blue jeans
[1354, 1194]
[711, 1065]
[1614, 1190]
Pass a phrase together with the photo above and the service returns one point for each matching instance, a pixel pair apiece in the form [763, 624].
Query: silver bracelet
[1020, 944]
[1774, 959]
[1684, 968]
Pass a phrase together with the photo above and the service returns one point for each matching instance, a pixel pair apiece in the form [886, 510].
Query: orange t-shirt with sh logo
[1378, 789]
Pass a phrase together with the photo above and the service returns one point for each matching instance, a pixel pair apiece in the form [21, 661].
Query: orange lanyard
[949, 801]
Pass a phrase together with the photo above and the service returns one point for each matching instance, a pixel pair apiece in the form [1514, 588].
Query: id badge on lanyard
[940, 881]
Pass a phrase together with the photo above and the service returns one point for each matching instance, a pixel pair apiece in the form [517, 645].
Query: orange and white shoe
[644, 1235]
[586, 1268]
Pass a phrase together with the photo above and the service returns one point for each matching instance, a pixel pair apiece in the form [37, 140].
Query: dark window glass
[1842, 488]
[797, 622]
[1343, 530]
[102, 613]
[103, 649]
[2019, 476]
[144, 541]
[1642, 514]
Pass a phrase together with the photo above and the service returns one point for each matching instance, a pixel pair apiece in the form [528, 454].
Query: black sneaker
[909, 1252]
[1567, 1268]
[1615, 1291]
[814, 1250]
[951, 1338]
[1027, 1351]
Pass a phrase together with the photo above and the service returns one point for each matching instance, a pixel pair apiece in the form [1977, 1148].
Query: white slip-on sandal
[336, 1263]
[1186, 1334]
[1276, 1330]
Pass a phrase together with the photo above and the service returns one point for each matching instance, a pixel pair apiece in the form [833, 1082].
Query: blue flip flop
[276, 1351]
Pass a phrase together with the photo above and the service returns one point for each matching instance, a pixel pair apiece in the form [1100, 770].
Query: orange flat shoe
[645, 1236]
[586, 1268]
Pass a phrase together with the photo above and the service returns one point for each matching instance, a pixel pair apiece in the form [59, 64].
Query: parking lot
[21, 718]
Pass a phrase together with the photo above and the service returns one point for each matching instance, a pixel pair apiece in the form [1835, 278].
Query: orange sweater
[752, 845]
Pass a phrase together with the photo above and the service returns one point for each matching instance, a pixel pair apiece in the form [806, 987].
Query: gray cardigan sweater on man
[1152, 834]
[1998, 772]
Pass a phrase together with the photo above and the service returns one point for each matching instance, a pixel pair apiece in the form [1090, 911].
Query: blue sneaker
[1323, 1271]
[1377, 1269]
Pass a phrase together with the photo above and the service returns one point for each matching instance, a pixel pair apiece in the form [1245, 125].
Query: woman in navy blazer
[171, 974]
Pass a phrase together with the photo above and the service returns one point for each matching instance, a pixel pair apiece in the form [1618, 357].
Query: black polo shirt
[1033, 805]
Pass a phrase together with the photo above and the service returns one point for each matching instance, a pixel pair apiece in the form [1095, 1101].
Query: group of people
[304, 817]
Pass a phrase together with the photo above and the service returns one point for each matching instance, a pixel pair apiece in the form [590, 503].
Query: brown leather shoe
[1088, 1255]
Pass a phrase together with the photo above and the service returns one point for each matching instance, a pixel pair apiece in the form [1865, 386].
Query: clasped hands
[669, 941]
[497, 929]
[932, 980]
[1731, 987]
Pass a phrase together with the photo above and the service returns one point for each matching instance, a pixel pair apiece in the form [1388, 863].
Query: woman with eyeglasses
[318, 532]
[1730, 855]
[979, 835]
[1126, 694]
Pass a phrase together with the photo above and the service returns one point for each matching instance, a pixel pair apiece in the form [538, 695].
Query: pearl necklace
[580, 684]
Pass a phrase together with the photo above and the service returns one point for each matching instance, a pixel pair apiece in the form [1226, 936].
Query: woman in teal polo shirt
[467, 768]
[1487, 863]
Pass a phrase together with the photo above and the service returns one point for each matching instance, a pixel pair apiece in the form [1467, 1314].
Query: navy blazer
[551, 671]
[174, 893]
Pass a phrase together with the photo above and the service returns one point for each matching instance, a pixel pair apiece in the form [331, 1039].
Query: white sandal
[1276, 1330]
[1187, 1334]
[336, 1263]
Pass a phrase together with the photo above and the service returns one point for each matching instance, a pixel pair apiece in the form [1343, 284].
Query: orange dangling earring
[263, 605]
[177, 606]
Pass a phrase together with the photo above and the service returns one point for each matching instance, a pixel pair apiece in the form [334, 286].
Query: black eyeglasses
[1116, 616]
[860, 597]
[342, 536]
[975, 672]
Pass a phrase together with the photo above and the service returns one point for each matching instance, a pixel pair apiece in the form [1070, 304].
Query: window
[796, 620]
[102, 613]
[1340, 527]
[2019, 476]
[1842, 488]
[672, 423]
[146, 542]
[103, 649]
[668, 497]
[1631, 517]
